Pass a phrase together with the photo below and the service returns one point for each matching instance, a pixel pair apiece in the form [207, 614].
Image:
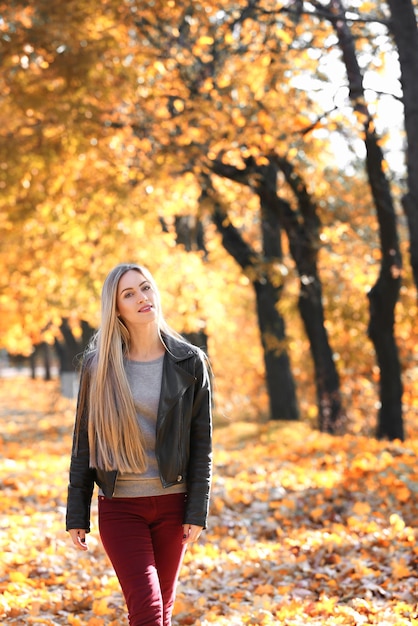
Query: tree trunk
[32, 362]
[279, 378]
[69, 351]
[198, 338]
[41, 353]
[189, 233]
[303, 233]
[384, 294]
[268, 294]
[404, 28]
[332, 417]
[46, 358]
[383, 298]
[87, 333]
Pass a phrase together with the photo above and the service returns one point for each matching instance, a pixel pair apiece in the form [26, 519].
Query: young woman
[143, 434]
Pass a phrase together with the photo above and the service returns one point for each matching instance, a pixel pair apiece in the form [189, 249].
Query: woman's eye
[146, 288]
[128, 295]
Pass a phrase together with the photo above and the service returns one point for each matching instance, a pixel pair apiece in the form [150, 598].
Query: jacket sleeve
[199, 471]
[81, 482]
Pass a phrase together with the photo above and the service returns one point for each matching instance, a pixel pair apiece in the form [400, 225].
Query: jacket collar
[177, 349]
[176, 377]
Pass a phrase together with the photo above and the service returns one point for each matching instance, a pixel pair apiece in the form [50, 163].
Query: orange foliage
[110, 116]
[304, 528]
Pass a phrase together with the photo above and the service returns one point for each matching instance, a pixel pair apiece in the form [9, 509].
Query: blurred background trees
[257, 156]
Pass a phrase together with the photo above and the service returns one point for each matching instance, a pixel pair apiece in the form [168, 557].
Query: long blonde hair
[115, 438]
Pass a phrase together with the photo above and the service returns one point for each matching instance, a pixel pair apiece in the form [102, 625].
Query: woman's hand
[191, 533]
[78, 536]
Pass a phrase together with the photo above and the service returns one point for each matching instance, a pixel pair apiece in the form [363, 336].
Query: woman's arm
[81, 482]
[199, 471]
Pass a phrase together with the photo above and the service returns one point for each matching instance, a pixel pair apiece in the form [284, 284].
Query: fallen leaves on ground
[305, 528]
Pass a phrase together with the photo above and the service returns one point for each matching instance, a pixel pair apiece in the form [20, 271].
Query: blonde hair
[115, 438]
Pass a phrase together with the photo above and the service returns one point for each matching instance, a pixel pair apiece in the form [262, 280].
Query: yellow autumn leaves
[304, 528]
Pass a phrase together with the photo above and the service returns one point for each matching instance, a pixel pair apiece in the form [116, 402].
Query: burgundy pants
[143, 539]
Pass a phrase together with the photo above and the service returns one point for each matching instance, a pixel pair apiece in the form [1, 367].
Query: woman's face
[136, 299]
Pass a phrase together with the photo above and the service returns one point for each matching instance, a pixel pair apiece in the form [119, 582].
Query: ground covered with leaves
[304, 528]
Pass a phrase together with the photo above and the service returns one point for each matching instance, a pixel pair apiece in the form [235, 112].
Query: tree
[403, 26]
[70, 347]
[384, 294]
[272, 333]
[260, 268]
[302, 228]
[118, 112]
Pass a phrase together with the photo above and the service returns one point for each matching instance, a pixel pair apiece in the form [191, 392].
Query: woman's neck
[145, 347]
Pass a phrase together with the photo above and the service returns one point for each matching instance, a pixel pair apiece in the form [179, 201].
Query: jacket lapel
[176, 378]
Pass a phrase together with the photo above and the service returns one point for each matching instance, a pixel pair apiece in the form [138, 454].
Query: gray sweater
[145, 382]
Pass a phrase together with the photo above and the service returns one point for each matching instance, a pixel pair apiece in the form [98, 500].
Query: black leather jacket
[183, 442]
